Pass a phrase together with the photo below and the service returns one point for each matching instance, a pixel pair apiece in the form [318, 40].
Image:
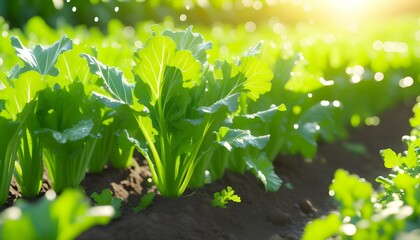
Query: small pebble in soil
[278, 217]
[307, 207]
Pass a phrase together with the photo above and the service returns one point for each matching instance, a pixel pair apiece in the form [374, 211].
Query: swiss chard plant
[67, 129]
[59, 118]
[19, 95]
[182, 104]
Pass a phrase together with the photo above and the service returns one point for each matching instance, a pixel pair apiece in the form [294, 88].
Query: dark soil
[260, 215]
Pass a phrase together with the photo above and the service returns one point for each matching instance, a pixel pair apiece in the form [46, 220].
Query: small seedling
[220, 199]
[106, 198]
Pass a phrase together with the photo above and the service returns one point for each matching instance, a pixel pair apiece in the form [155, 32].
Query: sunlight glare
[349, 6]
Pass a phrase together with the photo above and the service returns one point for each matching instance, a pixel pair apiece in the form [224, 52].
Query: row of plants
[90, 99]
[392, 212]
[115, 115]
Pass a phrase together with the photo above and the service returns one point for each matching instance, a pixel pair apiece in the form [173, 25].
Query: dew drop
[13, 213]
[325, 103]
[406, 82]
[250, 27]
[336, 103]
[257, 5]
[74, 9]
[355, 79]
[296, 126]
[183, 17]
[117, 9]
[50, 195]
[348, 229]
[378, 76]
[96, 19]
[372, 121]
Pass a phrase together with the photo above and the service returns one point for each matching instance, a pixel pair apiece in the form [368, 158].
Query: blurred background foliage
[203, 12]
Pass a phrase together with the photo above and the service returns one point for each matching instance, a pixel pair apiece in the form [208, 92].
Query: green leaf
[145, 201]
[79, 131]
[302, 80]
[63, 217]
[231, 102]
[263, 169]
[187, 40]
[40, 59]
[265, 115]
[114, 80]
[411, 159]
[391, 159]
[21, 92]
[323, 228]
[258, 76]
[106, 198]
[230, 138]
[353, 193]
[152, 61]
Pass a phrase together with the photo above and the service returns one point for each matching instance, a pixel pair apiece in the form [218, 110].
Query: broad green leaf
[264, 115]
[187, 40]
[23, 90]
[41, 59]
[391, 159]
[258, 76]
[231, 102]
[114, 80]
[189, 68]
[263, 169]
[152, 61]
[302, 80]
[230, 138]
[79, 131]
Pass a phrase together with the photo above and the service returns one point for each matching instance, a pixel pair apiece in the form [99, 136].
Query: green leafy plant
[64, 217]
[175, 92]
[145, 201]
[392, 212]
[67, 128]
[106, 198]
[220, 199]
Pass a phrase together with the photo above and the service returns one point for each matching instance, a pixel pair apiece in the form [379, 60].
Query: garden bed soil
[260, 215]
